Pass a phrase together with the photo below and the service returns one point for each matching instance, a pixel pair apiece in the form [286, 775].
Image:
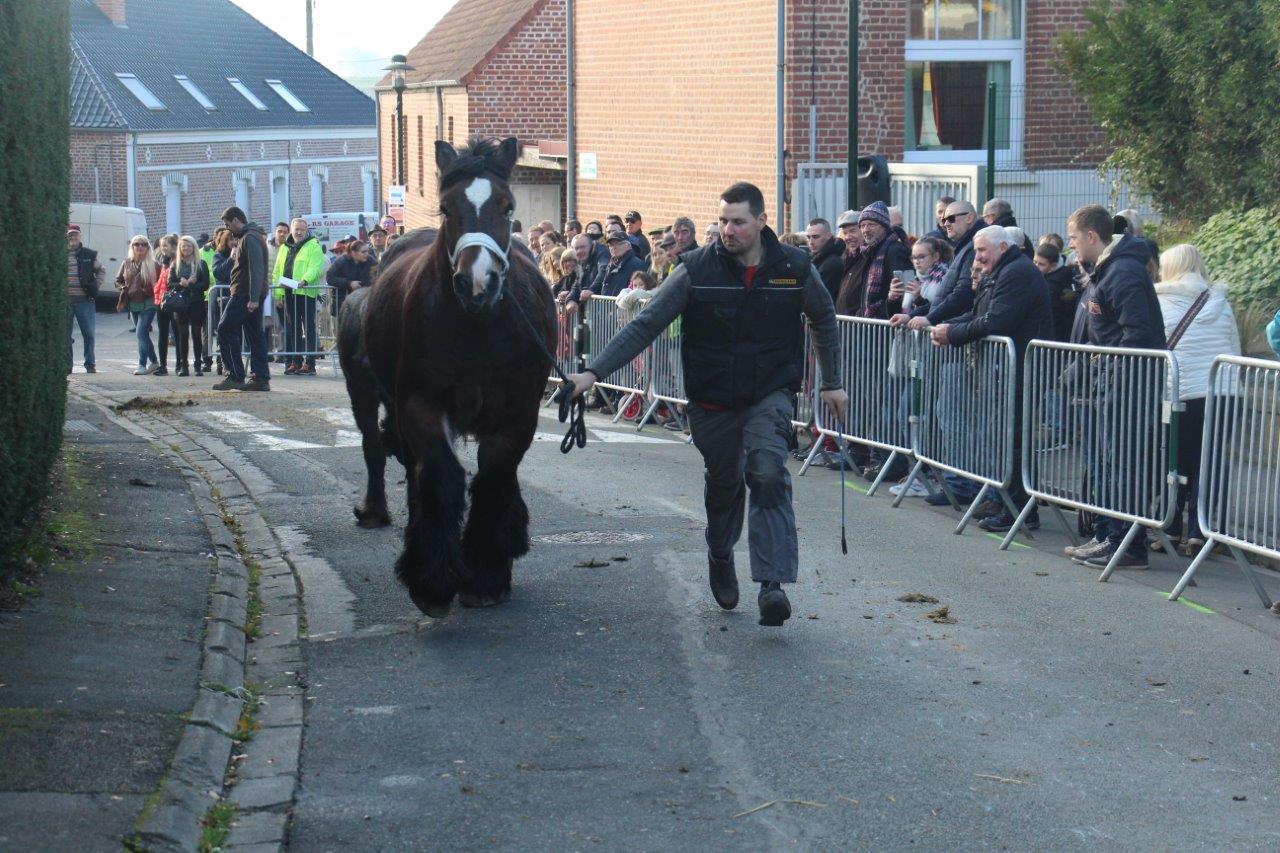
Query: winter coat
[195, 291]
[930, 287]
[132, 285]
[615, 277]
[344, 271]
[1064, 295]
[302, 261]
[1118, 307]
[860, 297]
[1213, 332]
[955, 297]
[1012, 301]
[249, 273]
[830, 264]
[1273, 334]
[640, 245]
[221, 268]
[1007, 221]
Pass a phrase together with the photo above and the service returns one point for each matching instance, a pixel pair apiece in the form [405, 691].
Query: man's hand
[837, 403]
[941, 334]
[899, 320]
[582, 382]
[896, 287]
[915, 324]
[354, 285]
[251, 307]
[584, 297]
[570, 307]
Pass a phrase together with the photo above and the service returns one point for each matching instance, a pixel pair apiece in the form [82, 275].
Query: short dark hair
[280, 225]
[1094, 217]
[743, 191]
[573, 223]
[818, 220]
[516, 227]
[946, 199]
[1049, 252]
[232, 213]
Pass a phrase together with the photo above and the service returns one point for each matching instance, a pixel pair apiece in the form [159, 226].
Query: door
[536, 202]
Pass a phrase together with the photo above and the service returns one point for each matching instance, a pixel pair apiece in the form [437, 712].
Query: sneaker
[673, 425]
[183, 371]
[1126, 561]
[917, 489]
[939, 498]
[257, 383]
[1086, 550]
[1002, 522]
[307, 370]
[870, 472]
[291, 370]
[91, 369]
[142, 371]
[774, 607]
[724, 581]
[831, 459]
[160, 371]
[989, 508]
[228, 384]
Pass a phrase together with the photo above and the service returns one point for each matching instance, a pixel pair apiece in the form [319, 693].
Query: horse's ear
[508, 153]
[445, 155]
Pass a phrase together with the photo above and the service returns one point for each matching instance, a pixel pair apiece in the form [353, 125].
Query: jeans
[146, 350]
[238, 322]
[82, 314]
[300, 327]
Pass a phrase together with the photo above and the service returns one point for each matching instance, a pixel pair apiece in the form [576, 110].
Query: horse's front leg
[498, 526]
[430, 565]
[373, 512]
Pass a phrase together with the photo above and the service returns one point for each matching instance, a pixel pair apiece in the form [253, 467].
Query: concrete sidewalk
[99, 671]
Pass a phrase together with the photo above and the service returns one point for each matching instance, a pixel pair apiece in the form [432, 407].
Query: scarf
[876, 287]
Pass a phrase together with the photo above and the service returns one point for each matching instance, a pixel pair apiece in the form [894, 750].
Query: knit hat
[877, 212]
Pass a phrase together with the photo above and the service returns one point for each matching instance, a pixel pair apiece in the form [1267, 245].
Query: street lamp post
[399, 65]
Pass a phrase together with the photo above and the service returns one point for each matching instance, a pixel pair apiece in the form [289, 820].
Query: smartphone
[906, 276]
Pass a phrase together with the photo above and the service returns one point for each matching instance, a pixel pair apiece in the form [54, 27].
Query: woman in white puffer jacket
[1213, 332]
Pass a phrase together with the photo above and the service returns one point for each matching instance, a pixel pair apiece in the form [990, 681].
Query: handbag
[175, 302]
[899, 356]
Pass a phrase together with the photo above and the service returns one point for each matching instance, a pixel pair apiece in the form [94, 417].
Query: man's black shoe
[228, 384]
[989, 509]
[1002, 522]
[774, 607]
[724, 581]
[257, 383]
[939, 498]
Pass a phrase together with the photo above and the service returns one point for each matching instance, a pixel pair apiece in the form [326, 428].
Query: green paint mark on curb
[856, 487]
[1199, 608]
[999, 538]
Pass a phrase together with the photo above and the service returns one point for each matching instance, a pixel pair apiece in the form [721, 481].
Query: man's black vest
[84, 270]
[741, 344]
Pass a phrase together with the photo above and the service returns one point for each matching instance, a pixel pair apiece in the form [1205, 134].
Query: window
[956, 51]
[288, 97]
[244, 90]
[141, 92]
[194, 91]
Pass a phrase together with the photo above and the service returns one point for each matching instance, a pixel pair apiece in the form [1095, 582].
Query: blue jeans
[82, 314]
[146, 350]
[239, 323]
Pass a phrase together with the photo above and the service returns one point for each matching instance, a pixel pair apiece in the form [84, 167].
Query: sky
[355, 40]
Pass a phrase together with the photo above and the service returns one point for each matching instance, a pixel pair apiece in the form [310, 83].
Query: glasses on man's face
[951, 220]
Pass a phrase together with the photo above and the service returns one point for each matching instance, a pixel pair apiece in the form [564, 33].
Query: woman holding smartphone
[930, 257]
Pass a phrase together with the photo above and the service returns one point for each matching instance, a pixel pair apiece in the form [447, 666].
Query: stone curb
[262, 779]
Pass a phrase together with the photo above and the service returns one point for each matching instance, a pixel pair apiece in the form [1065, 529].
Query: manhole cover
[592, 537]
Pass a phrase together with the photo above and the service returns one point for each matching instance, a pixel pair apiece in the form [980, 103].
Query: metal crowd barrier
[1100, 435]
[1239, 492]
[966, 421]
[569, 346]
[665, 371]
[326, 328]
[605, 321]
[807, 398]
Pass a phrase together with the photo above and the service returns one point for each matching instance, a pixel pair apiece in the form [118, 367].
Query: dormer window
[244, 90]
[288, 97]
[194, 91]
[144, 95]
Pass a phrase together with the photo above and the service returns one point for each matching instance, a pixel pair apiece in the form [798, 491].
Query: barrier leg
[1205, 550]
[1070, 528]
[1017, 524]
[648, 414]
[554, 398]
[1164, 539]
[880, 475]
[911, 478]
[1013, 510]
[622, 407]
[813, 452]
[1243, 563]
[973, 507]
[1115, 558]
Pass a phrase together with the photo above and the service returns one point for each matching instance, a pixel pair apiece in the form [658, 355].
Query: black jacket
[1013, 301]
[344, 271]
[249, 273]
[612, 279]
[221, 269]
[1008, 221]
[1119, 307]
[89, 280]
[640, 244]
[830, 264]
[1063, 297]
[955, 297]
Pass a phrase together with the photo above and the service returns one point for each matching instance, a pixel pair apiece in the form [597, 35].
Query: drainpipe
[571, 134]
[131, 170]
[780, 141]
[851, 168]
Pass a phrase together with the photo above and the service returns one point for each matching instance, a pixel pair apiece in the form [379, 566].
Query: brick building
[488, 68]
[184, 109]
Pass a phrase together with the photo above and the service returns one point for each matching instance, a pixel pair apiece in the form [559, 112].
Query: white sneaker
[142, 371]
[1091, 548]
[917, 489]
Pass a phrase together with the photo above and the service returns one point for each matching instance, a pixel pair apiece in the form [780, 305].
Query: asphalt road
[616, 707]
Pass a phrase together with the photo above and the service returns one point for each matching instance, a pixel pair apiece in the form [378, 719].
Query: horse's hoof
[430, 606]
[370, 520]
[472, 599]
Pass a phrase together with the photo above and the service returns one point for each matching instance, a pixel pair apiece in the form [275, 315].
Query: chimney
[113, 9]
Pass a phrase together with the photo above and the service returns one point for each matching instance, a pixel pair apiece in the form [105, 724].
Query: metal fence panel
[326, 327]
[1239, 495]
[806, 399]
[605, 320]
[664, 367]
[1099, 434]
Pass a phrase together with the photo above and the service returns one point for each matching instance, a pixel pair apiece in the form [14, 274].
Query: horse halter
[479, 238]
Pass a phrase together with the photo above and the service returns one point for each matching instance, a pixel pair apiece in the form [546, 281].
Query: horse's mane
[478, 156]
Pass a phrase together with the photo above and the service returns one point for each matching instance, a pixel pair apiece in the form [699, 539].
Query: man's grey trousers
[746, 450]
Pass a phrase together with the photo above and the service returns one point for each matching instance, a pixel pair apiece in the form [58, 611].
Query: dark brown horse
[446, 342]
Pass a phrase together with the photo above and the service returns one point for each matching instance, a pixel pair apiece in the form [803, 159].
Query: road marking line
[999, 538]
[855, 486]
[348, 438]
[628, 438]
[1182, 599]
[275, 442]
[338, 417]
[234, 420]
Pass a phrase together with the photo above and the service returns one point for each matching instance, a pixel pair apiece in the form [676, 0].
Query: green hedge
[1239, 248]
[34, 186]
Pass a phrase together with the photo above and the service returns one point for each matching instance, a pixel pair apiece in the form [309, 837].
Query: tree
[1185, 90]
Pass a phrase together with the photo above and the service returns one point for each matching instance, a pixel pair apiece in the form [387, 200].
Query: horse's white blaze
[480, 270]
[478, 193]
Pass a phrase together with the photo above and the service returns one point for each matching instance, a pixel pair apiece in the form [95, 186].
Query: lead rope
[844, 545]
[572, 409]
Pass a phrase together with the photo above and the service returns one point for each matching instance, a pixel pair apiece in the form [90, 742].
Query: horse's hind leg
[498, 526]
[373, 512]
[431, 561]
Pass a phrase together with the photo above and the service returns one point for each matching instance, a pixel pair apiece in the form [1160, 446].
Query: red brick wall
[1060, 131]
[98, 168]
[420, 200]
[676, 100]
[520, 90]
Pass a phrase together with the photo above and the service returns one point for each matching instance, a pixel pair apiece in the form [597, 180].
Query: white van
[106, 229]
